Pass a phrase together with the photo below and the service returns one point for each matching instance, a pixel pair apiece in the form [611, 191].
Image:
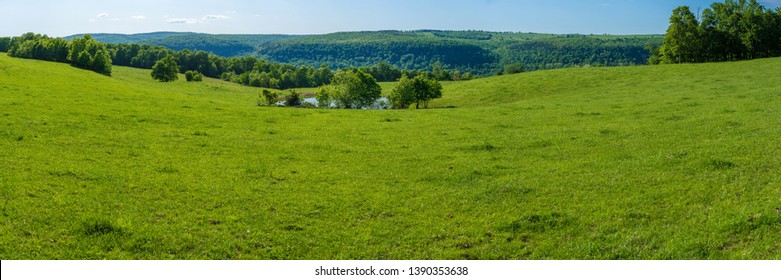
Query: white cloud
[138, 17]
[102, 15]
[215, 17]
[182, 21]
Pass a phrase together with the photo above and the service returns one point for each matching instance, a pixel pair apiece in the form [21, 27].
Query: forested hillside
[482, 53]
[222, 45]
[479, 52]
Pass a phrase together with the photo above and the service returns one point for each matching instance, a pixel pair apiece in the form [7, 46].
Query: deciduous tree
[166, 70]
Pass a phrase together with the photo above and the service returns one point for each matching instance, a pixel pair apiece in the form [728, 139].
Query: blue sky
[63, 17]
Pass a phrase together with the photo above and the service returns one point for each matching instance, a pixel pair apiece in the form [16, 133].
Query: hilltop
[648, 162]
[479, 52]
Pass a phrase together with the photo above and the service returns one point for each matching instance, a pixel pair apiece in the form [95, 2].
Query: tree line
[474, 52]
[85, 52]
[463, 53]
[729, 31]
[355, 89]
[250, 71]
[578, 50]
[255, 72]
[406, 53]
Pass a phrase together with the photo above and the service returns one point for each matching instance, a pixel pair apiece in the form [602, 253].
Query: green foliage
[36, 46]
[513, 68]
[474, 52]
[90, 54]
[577, 50]
[84, 52]
[545, 165]
[324, 96]
[246, 70]
[446, 57]
[166, 70]
[221, 45]
[293, 99]
[465, 51]
[193, 76]
[403, 94]
[420, 89]
[5, 44]
[683, 38]
[354, 89]
[733, 30]
[269, 96]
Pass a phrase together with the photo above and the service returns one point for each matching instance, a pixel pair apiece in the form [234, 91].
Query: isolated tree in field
[166, 70]
[269, 96]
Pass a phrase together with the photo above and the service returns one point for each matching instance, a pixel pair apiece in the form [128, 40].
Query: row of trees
[733, 30]
[85, 52]
[251, 71]
[166, 64]
[355, 89]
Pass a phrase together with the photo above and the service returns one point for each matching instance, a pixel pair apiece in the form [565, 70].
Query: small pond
[380, 104]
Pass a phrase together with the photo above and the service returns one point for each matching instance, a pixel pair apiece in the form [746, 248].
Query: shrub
[269, 96]
[293, 99]
[193, 76]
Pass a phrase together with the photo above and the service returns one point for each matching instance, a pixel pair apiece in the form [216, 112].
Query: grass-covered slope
[672, 162]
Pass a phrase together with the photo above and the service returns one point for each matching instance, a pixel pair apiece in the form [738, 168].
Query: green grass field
[653, 162]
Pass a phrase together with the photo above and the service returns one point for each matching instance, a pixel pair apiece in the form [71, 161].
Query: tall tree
[681, 41]
[101, 63]
[403, 93]
[166, 70]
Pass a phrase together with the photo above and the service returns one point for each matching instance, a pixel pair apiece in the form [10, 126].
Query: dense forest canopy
[222, 45]
[729, 31]
[477, 52]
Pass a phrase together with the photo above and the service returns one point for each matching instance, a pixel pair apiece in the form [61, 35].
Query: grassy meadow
[650, 162]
